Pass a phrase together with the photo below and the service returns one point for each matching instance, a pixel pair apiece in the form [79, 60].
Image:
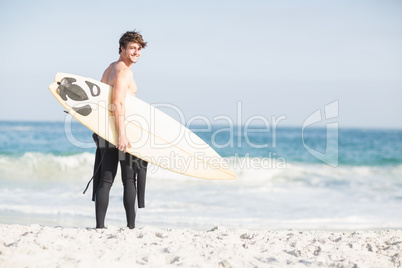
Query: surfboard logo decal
[73, 94]
[95, 89]
[73, 91]
[85, 110]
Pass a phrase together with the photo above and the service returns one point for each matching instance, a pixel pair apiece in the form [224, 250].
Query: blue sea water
[44, 167]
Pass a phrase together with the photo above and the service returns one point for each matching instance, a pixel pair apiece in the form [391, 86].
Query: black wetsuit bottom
[111, 157]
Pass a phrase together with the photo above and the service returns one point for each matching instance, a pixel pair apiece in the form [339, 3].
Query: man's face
[132, 52]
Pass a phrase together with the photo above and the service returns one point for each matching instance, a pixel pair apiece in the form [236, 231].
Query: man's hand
[123, 143]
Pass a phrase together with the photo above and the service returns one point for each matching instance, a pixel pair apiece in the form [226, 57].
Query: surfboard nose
[232, 175]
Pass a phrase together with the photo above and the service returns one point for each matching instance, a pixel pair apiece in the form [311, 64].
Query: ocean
[288, 178]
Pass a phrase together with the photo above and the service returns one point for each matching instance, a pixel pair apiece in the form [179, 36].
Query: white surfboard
[154, 136]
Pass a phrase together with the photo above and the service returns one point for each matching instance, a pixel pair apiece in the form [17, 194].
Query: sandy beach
[41, 246]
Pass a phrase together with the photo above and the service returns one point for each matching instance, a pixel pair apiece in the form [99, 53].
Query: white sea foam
[301, 195]
[250, 171]
[46, 167]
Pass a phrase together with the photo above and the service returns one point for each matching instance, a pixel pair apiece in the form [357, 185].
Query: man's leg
[128, 178]
[141, 179]
[108, 172]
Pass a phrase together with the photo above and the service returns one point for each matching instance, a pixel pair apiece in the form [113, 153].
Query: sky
[272, 59]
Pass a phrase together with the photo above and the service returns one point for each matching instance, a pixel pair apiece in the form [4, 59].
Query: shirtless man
[120, 77]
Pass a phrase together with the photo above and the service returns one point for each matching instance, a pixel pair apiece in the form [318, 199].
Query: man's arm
[119, 99]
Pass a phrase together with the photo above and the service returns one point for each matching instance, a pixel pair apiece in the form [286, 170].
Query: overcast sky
[278, 58]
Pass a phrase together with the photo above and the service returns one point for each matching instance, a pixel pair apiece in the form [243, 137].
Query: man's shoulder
[109, 70]
[111, 66]
[122, 69]
[120, 65]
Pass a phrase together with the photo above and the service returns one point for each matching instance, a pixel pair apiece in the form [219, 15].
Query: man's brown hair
[131, 36]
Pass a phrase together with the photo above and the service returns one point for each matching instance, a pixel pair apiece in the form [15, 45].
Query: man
[120, 77]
